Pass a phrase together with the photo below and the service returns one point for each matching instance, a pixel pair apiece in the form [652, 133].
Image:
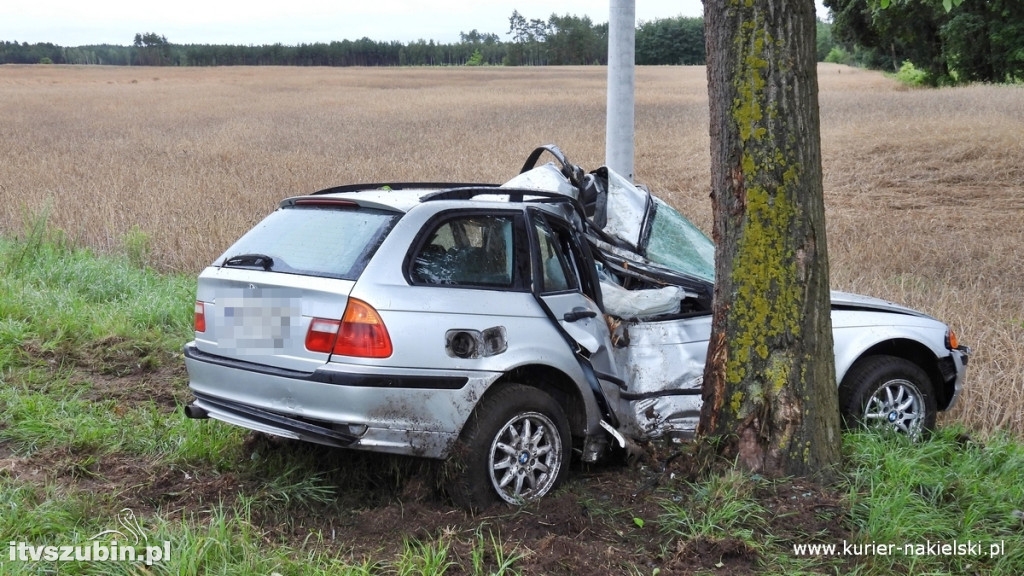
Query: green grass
[722, 506]
[62, 308]
[56, 300]
[908, 498]
[70, 319]
[82, 336]
[223, 540]
[948, 489]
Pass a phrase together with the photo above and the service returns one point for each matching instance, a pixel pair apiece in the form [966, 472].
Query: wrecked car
[505, 328]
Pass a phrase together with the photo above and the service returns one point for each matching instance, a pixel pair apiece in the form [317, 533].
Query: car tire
[514, 448]
[888, 393]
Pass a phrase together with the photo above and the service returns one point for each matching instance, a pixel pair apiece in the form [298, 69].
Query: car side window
[557, 269]
[467, 250]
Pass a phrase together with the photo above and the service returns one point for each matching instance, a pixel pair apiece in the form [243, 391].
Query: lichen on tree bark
[769, 380]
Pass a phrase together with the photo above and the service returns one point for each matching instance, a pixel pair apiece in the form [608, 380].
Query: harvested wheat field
[924, 189]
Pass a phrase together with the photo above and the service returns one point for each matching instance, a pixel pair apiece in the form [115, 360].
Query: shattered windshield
[676, 243]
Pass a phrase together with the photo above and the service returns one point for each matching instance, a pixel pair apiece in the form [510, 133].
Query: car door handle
[578, 313]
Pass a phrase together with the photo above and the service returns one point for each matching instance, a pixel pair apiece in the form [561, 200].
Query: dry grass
[924, 188]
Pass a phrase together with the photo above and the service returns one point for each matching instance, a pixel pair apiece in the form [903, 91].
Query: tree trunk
[770, 396]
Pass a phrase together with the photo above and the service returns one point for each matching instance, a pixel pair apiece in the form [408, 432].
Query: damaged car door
[568, 289]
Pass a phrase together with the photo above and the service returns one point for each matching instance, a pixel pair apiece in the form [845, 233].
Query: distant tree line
[559, 40]
[975, 41]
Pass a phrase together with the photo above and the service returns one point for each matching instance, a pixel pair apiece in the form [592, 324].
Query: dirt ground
[604, 520]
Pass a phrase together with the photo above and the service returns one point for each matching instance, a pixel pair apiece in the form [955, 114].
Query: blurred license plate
[257, 324]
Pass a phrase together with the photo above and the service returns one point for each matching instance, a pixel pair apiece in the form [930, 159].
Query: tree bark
[770, 397]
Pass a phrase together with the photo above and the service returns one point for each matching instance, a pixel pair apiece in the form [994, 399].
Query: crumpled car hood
[861, 302]
[628, 211]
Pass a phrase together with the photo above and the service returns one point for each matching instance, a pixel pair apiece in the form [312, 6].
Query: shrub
[838, 56]
[910, 75]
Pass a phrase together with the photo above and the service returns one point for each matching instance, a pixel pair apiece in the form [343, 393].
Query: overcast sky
[82, 22]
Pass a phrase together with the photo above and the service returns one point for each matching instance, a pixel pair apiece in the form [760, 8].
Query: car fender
[856, 332]
[569, 377]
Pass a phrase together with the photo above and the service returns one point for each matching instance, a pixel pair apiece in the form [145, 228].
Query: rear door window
[314, 240]
[473, 250]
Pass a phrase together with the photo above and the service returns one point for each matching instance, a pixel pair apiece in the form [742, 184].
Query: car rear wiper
[255, 260]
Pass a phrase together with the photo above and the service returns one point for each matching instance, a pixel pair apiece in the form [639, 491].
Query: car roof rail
[514, 194]
[525, 195]
[400, 186]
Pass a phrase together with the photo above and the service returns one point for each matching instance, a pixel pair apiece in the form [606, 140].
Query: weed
[296, 486]
[423, 559]
[138, 246]
[722, 506]
[489, 547]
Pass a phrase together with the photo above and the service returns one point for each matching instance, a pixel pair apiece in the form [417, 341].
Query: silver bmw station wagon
[507, 328]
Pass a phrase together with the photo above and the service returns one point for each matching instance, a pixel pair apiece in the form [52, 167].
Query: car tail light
[200, 317]
[322, 335]
[360, 332]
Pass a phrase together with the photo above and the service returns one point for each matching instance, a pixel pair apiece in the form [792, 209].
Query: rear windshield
[328, 241]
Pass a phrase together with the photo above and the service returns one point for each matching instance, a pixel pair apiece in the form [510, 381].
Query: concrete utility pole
[618, 148]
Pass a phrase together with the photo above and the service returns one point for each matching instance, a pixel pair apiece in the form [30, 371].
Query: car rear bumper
[268, 422]
[412, 412]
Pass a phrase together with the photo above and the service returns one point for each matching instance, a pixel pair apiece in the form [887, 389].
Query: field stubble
[924, 189]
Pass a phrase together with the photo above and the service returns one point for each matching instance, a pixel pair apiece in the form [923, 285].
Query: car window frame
[520, 249]
[579, 256]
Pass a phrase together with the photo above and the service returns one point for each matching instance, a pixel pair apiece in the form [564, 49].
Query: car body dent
[665, 361]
